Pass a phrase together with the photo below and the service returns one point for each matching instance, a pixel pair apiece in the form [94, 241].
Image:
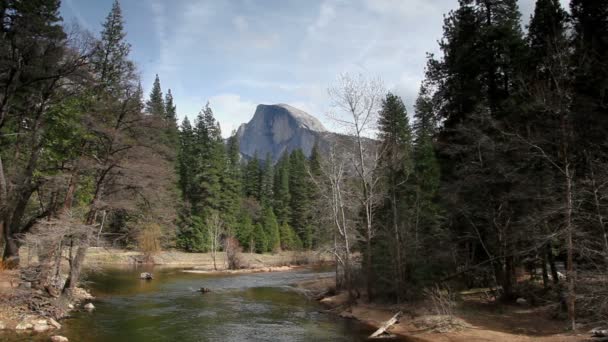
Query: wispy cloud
[238, 53]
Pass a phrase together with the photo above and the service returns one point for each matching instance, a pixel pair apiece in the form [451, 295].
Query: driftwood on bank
[386, 325]
[599, 332]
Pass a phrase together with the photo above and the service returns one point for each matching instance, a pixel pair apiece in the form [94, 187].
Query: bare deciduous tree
[357, 100]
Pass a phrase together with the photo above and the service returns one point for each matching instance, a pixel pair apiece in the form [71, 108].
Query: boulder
[71, 306]
[54, 323]
[89, 307]
[40, 328]
[521, 301]
[24, 326]
[145, 275]
[204, 290]
[58, 338]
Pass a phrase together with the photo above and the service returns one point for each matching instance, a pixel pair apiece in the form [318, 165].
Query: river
[245, 307]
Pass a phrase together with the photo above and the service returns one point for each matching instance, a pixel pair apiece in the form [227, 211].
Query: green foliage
[281, 190]
[289, 239]
[156, 105]
[193, 235]
[260, 239]
[271, 230]
[299, 196]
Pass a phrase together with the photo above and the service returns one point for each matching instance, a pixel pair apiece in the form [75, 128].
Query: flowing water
[246, 307]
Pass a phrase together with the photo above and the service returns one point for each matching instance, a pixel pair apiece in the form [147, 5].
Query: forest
[498, 178]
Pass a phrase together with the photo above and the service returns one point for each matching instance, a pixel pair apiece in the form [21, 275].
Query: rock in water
[54, 323]
[58, 338]
[204, 290]
[146, 276]
[23, 326]
[279, 128]
[39, 328]
[89, 307]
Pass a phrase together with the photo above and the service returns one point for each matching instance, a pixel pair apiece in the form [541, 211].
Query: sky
[237, 54]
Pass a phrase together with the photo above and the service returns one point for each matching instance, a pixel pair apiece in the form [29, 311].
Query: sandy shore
[471, 322]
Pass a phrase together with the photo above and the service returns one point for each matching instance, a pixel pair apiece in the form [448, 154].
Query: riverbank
[100, 256]
[473, 319]
[29, 310]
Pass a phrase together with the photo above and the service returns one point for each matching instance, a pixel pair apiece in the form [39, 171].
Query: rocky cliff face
[279, 128]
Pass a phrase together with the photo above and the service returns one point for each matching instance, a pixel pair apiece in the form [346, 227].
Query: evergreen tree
[210, 163]
[111, 58]
[281, 190]
[267, 182]
[426, 180]
[231, 183]
[299, 195]
[155, 104]
[289, 238]
[271, 230]
[186, 161]
[171, 120]
[260, 239]
[476, 80]
[396, 167]
[244, 232]
[252, 178]
[590, 69]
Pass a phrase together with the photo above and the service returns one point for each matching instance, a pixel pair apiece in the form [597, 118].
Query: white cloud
[240, 23]
[231, 111]
[291, 53]
[326, 14]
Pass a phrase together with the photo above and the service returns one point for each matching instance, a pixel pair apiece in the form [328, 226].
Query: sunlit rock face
[279, 128]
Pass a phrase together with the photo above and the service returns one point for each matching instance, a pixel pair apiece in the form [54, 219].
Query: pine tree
[231, 183]
[156, 105]
[271, 230]
[252, 178]
[260, 239]
[110, 60]
[281, 190]
[476, 83]
[590, 69]
[396, 167]
[426, 178]
[186, 161]
[210, 163]
[267, 182]
[171, 120]
[299, 194]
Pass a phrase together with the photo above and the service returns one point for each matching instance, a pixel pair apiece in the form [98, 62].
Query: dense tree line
[503, 170]
[266, 206]
[81, 157]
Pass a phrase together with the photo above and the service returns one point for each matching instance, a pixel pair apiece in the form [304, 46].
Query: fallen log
[386, 325]
[599, 332]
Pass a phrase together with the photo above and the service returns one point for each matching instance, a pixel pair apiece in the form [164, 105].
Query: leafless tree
[356, 102]
[215, 225]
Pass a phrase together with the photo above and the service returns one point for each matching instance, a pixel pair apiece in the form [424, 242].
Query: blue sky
[239, 53]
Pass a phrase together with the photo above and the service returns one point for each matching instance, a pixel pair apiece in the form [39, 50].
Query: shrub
[149, 240]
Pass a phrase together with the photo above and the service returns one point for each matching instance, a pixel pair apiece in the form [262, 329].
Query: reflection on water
[250, 307]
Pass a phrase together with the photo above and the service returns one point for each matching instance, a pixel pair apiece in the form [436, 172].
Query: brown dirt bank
[472, 321]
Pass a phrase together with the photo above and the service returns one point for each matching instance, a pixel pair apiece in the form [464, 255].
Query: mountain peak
[279, 128]
[300, 116]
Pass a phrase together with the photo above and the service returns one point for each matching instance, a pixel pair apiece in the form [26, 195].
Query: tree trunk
[552, 266]
[543, 253]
